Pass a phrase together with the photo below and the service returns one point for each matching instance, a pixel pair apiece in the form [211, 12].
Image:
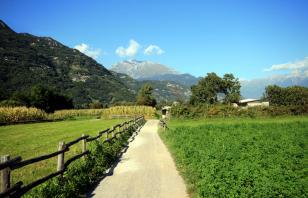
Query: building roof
[248, 100]
[166, 107]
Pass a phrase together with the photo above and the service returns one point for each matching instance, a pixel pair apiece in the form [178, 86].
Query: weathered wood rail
[7, 164]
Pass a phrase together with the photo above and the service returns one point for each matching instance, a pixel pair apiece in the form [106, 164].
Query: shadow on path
[110, 171]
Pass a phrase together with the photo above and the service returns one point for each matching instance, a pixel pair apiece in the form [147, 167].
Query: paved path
[145, 170]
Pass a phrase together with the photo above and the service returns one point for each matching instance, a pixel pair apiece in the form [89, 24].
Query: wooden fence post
[84, 145]
[112, 131]
[60, 165]
[119, 129]
[107, 133]
[5, 175]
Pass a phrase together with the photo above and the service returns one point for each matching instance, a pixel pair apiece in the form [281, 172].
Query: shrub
[199, 111]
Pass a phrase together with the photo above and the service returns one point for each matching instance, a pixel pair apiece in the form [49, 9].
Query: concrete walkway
[145, 170]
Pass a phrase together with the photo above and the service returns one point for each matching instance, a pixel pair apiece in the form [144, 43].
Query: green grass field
[31, 140]
[241, 157]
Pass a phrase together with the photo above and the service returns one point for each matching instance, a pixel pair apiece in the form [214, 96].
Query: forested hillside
[27, 60]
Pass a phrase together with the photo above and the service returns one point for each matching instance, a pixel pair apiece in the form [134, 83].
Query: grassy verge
[84, 173]
[241, 157]
[31, 140]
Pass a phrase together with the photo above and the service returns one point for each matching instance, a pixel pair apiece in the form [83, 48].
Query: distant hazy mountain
[141, 69]
[146, 70]
[256, 87]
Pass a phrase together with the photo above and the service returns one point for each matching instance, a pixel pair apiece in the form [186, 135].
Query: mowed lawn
[265, 157]
[31, 140]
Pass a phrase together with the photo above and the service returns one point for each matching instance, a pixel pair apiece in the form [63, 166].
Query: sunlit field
[31, 140]
[241, 157]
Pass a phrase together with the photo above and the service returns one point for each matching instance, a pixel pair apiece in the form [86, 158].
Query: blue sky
[250, 38]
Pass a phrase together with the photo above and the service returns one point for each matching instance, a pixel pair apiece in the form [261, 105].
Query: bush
[202, 111]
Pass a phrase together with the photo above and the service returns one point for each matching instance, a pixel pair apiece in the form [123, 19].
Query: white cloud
[87, 50]
[130, 51]
[153, 50]
[294, 66]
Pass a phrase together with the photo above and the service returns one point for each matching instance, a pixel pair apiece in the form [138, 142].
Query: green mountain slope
[162, 90]
[27, 60]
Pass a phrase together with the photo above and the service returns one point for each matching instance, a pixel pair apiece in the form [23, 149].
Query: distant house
[245, 103]
[165, 112]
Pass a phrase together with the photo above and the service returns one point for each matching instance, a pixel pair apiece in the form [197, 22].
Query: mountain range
[27, 60]
[250, 88]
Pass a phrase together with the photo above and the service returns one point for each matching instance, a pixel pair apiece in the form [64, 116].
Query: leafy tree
[145, 96]
[96, 105]
[232, 88]
[45, 99]
[293, 95]
[208, 88]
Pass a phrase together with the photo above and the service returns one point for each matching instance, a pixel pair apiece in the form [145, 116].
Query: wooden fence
[7, 164]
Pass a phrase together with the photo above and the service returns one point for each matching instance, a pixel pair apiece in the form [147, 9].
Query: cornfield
[24, 114]
[147, 111]
[21, 114]
[65, 114]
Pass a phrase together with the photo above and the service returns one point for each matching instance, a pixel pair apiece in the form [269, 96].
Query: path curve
[145, 170]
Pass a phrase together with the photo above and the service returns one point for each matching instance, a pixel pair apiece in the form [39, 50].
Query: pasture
[262, 157]
[31, 140]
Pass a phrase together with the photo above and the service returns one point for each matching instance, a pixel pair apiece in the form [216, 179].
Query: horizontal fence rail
[7, 165]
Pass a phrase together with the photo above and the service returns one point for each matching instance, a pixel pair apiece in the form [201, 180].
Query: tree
[145, 96]
[293, 95]
[96, 105]
[45, 99]
[208, 88]
[232, 88]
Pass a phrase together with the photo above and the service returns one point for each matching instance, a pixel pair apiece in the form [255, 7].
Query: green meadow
[32, 140]
[261, 157]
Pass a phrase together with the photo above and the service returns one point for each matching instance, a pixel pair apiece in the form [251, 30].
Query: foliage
[46, 99]
[294, 95]
[145, 96]
[148, 112]
[96, 105]
[208, 88]
[254, 159]
[40, 97]
[206, 110]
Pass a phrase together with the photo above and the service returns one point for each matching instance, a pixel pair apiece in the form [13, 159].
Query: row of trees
[287, 96]
[40, 97]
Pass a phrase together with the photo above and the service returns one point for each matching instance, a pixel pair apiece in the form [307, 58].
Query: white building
[245, 103]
